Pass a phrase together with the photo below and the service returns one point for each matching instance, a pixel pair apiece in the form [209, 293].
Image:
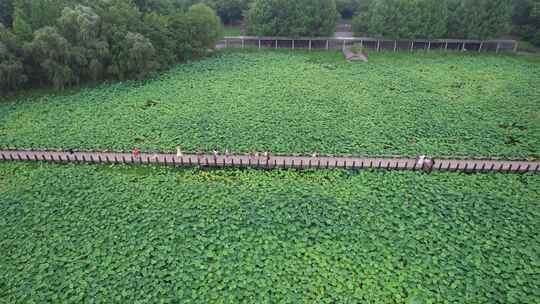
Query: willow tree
[53, 54]
[11, 68]
[80, 26]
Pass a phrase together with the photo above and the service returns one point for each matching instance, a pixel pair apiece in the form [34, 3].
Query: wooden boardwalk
[270, 162]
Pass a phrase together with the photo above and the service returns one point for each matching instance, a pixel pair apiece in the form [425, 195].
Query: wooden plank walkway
[271, 162]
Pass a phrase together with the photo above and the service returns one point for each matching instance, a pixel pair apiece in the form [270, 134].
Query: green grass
[121, 235]
[299, 102]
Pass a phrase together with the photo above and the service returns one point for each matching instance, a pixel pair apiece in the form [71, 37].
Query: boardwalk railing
[272, 162]
[374, 44]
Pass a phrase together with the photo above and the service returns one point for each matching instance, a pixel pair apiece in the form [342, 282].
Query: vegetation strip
[272, 162]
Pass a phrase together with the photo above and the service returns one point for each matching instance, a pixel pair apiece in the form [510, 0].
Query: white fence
[496, 46]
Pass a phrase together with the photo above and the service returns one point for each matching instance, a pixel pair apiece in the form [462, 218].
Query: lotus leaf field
[299, 102]
[119, 234]
[74, 234]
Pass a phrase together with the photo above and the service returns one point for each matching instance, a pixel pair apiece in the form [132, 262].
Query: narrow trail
[271, 162]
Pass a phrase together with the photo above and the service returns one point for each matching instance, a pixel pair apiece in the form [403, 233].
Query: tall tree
[136, 60]
[293, 18]
[481, 19]
[157, 29]
[526, 19]
[11, 68]
[21, 25]
[80, 26]
[405, 19]
[197, 31]
[53, 54]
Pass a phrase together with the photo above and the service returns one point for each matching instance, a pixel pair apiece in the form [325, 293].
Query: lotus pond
[74, 234]
[299, 102]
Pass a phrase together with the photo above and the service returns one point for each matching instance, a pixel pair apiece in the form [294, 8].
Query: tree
[231, 11]
[80, 26]
[293, 18]
[136, 60]
[157, 29]
[197, 31]
[148, 6]
[434, 19]
[21, 26]
[407, 19]
[526, 19]
[11, 68]
[480, 19]
[53, 54]
[117, 18]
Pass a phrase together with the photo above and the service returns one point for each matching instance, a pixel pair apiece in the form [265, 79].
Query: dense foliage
[350, 8]
[473, 19]
[77, 234]
[230, 11]
[300, 18]
[299, 102]
[526, 19]
[60, 43]
[405, 19]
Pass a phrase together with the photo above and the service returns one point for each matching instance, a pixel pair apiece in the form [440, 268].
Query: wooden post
[259, 43]
[276, 43]
[310, 44]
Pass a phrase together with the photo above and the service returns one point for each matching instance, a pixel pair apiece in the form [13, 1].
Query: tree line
[64, 42]
[469, 19]
[397, 19]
